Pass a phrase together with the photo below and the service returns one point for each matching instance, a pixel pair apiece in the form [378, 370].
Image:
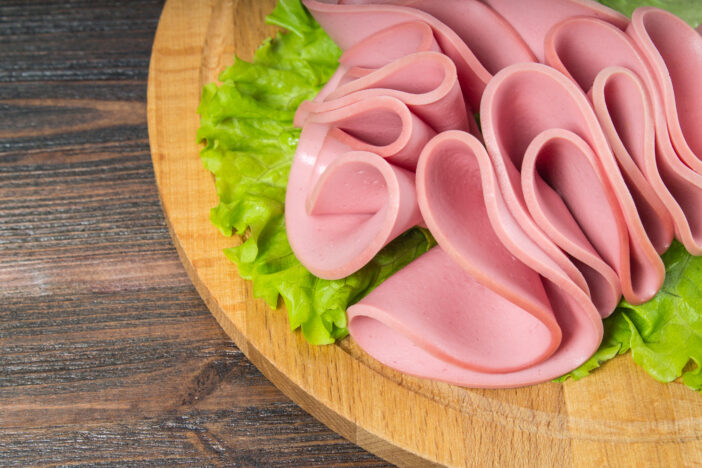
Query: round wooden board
[618, 417]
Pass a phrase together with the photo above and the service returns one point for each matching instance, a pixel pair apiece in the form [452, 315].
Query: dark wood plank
[108, 355]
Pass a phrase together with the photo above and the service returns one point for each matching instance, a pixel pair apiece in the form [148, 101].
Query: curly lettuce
[664, 335]
[246, 127]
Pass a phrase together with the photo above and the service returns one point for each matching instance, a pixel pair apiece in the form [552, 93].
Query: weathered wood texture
[618, 417]
[107, 354]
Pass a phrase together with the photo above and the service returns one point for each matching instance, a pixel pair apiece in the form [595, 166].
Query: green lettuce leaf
[688, 10]
[246, 126]
[664, 334]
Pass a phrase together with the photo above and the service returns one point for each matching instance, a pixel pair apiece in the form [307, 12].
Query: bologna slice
[618, 107]
[378, 50]
[534, 18]
[345, 200]
[627, 118]
[469, 312]
[565, 51]
[559, 168]
[349, 24]
[674, 51]
[425, 81]
[524, 100]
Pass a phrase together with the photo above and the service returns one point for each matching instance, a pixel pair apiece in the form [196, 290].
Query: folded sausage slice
[523, 101]
[350, 24]
[673, 49]
[534, 18]
[626, 112]
[475, 23]
[674, 205]
[569, 197]
[470, 312]
[378, 50]
[425, 81]
[567, 50]
[348, 194]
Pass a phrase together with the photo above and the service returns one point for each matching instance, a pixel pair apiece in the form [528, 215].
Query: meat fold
[534, 18]
[425, 81]
[667, 191]
[349, 24]
[673, 50]
[378, 50]
[348, 194]
[627, 118]
[564, 51]
[524, 101]
[471, 312]
[567, 194]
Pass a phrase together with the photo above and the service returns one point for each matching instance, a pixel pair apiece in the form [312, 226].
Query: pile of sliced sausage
[587, 165]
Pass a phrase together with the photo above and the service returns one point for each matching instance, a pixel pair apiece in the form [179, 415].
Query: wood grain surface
[108, 356]
[618, 417]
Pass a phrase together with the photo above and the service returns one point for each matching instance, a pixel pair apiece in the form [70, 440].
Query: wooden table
[107, 354]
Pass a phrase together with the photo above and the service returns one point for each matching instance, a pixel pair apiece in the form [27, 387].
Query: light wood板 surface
[108, 355]
[618, 417]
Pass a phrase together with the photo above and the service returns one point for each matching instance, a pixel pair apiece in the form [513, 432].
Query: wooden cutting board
[618, 417]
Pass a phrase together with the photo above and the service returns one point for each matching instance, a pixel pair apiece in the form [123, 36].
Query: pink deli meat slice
[350, 24]
[469, 312]
[559, 168]
[581, 48]
[534, 18]
[618, 107]
[550, 256]
[390, 44]
[378, 50]
[425, 81]
[624, 107]
[673, 49]
[521, 102]
[348, 194]
[480, 37]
